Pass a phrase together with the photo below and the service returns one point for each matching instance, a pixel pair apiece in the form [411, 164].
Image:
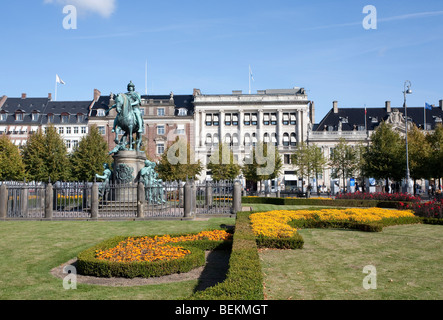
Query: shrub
[379, 196]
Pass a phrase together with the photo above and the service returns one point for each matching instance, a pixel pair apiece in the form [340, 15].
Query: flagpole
[55, 98]
[250, 91]
[146, 78]
[424, 125]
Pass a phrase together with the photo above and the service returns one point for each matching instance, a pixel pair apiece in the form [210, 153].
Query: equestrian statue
[128, 119]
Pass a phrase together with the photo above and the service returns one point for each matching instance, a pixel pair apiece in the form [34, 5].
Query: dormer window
[19, 116]
[3, 116]
[101, 113]
[65, 118]
[35, 116]
[50, 118]
[80, 118]
[182, 112]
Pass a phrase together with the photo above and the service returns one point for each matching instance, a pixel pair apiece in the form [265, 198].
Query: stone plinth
[127, 166]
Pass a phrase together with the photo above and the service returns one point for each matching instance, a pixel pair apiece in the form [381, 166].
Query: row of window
[51, 118]
[251, 139]
[161, 130]
[160, 112]
[232, 119]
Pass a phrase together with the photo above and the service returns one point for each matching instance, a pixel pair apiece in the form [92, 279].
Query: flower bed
[432, 211]
[150, 256]
[379, 196]
[279, 228]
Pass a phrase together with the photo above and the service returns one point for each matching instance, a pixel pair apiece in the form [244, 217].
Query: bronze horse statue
[127, 121]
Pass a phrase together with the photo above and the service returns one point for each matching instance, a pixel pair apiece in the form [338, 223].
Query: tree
[264, 163]
[301, 160]
[11, 164]
[177, 162]
[343, 161]
[223, 165]
[385, 158]
[436, 157]
[46, 157]
[419, 154]
[317, 160]
[89, 156]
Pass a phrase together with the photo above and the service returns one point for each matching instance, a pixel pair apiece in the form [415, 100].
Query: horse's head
[119, 102]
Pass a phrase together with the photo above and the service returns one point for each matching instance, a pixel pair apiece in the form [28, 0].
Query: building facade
[279, 117]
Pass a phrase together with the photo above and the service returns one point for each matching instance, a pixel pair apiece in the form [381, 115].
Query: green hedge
[321, 202]
[88, 265]
[244, 280]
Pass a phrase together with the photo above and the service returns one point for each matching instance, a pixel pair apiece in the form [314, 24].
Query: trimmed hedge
[88, 265]
[324, 203]
[244, 280]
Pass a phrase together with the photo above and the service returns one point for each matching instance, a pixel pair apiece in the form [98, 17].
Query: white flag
[59, 80]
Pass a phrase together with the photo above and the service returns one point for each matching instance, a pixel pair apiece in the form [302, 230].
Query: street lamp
[407, 90]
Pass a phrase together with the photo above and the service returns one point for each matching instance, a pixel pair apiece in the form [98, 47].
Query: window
[293, 140]
[266, 138]
[235, 139]
[101, 113]
[102, 130]
[61, 130]
[285, 119]
[254, 119]
[75, 130]
[65, 118]
[235, 119]
[50, 118]
[293, 119]
[228, 140]
[68, 144]
[274, 139]
[3, 117]
[266, 119]
[160, 148]
[228, 119]
[80, 118]
[142, 111]
[68, 130]
[247, 121]
[273, 119]
[74, 144]
[287, 159]
[247, 140]
[216, 121]
[254, 140]
[161, 112]
[182, 112]
[19, 117]
[216, 140]
[35, 116]
[208, 139]
[84, 130]
[286, 140]
[160, 130]
[209, 120]
[181, 129]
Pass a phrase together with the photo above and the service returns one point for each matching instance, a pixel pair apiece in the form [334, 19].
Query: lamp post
[407, 90]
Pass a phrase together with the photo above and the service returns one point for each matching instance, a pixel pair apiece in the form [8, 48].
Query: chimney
[388, 106]
[50, 96]
[97, 95]
[197, 92]
[23, 95]
[335, 106]
[441, 104]
[2, 101]
[312, 112]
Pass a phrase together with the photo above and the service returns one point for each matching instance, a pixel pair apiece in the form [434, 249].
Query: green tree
[263, 163]
[344, 161]
[46, 157]
[301, 160]
[385, 158]
[177, 162]
[89, 156]
[419, 154]
[318, 161]
[222, 164]
[436, 157]
[11, 163]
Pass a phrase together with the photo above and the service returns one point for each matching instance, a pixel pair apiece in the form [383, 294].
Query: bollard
[94, 201]
[187, 201]
[140, 200]
[236, 198]
[208, 195]
[24, 201]
[49, 198]
[3, 201]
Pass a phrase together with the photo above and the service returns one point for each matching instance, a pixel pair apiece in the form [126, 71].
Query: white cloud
[103, 7]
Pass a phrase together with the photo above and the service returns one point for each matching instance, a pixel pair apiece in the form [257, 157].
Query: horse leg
[131, 138]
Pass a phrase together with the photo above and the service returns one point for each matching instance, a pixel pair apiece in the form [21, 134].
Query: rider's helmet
[131, 86]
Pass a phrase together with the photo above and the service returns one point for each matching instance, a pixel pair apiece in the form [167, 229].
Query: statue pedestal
[127, 166]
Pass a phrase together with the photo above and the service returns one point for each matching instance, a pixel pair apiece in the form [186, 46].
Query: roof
[356, 117]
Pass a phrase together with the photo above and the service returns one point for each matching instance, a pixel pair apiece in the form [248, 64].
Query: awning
[291, 177]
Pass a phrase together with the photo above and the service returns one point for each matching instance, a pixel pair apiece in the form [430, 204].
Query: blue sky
[319, 45]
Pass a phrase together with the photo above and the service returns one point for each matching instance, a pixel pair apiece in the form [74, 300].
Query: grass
[29, 250]
[408, 259]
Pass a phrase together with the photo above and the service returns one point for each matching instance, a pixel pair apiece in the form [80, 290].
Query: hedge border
[88, 265]
[244, 280]
[324, 203]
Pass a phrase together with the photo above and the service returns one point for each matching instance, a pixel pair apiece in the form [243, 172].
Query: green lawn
[29, 250]
[408, 260]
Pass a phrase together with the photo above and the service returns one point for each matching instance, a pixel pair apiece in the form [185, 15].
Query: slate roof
[356, 116]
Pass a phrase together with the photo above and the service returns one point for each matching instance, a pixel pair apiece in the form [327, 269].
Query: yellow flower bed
[151, 249]
[274, 224]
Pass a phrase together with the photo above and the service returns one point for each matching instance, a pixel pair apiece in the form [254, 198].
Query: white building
[281, 117]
